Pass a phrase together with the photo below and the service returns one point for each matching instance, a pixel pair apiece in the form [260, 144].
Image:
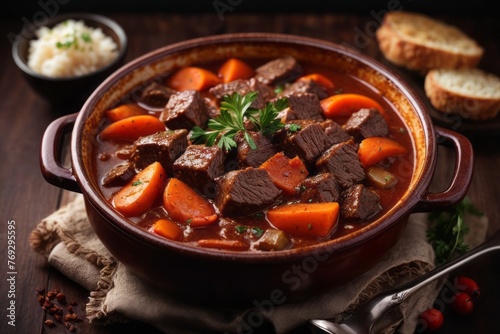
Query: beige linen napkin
[117, 294]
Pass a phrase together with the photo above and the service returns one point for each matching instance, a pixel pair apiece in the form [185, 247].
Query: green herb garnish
[447, 230]
[72, 41]
[267, 121]
[65, 45]
[279, 89]
[136, 183]
[240, 229]
[259, 215]
[294, 127]
[86, 37]
[257, 231]
[235, 110]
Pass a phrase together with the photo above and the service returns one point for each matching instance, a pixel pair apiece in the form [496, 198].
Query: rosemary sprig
[235, 110]
[447, 230]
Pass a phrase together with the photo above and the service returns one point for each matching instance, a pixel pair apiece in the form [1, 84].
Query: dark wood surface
[26, 198]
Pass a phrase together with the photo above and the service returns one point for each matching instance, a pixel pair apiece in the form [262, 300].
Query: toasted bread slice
[421, 43]
[471, 93]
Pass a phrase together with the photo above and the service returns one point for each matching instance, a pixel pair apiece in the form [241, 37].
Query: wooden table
[26, 197]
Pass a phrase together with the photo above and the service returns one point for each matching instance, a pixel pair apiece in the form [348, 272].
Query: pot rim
[405, 207]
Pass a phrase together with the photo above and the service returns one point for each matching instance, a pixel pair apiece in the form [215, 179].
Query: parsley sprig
[447, 230]
[235, 110]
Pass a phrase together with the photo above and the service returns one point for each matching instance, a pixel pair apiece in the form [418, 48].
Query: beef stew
[309, 165]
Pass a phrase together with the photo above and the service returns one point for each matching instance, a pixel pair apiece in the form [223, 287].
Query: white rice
[70, 49]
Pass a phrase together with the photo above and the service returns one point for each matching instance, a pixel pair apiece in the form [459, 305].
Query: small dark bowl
[75, 89]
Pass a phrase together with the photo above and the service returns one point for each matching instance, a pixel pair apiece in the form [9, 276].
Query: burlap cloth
[117, 294]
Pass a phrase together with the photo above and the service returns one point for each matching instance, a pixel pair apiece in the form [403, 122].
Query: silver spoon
[362, 320]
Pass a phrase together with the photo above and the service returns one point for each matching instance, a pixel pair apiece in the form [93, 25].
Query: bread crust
[467, 106]
[402, 49]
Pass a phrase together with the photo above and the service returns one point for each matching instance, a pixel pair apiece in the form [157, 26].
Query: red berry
[468, 285]
[432, 319]
[462, 304]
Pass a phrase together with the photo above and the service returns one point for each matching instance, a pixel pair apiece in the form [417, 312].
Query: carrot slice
[320, 79]
[131, 128]
[346, 104]
[234, 69]
[286, 173]
[185, 205]
[373, 149]
[138, 196]
[124, 111]
[314, 220]
[192, 78]
[167, 229]
[235, 245]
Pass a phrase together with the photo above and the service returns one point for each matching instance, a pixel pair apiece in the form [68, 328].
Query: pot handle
[462, 173]
[51, 154]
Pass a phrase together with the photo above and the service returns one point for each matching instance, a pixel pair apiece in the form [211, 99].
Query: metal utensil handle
[397, 296]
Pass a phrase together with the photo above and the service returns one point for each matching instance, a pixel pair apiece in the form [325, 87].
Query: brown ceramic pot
[235, 277]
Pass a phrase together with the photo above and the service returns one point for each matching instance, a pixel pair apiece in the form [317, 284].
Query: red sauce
[105, 159]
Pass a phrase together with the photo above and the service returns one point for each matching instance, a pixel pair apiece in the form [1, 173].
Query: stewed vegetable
[247, 155]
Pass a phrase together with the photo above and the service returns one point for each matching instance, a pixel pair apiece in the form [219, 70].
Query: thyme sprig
[447, 230]
[235, 111]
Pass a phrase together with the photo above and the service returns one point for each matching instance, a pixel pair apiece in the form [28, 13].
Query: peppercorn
[56, 310]
[61, 298]
[49, 323]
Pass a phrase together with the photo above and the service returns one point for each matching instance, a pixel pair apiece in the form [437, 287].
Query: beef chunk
[335, 133]
[248, 157]
[264, 90]
[184, 110]
[304, 106]
[305, 139]
[278, 71]
[156, 95]
[119, 175]
[198, 166]
[359, 203]
[322, 187]
[211, 108]
[241, 87]
[125, 152]
[367, 123]
[164, 147]
[228, 88]
[245, 191]
[305, 86]
[342, 161]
